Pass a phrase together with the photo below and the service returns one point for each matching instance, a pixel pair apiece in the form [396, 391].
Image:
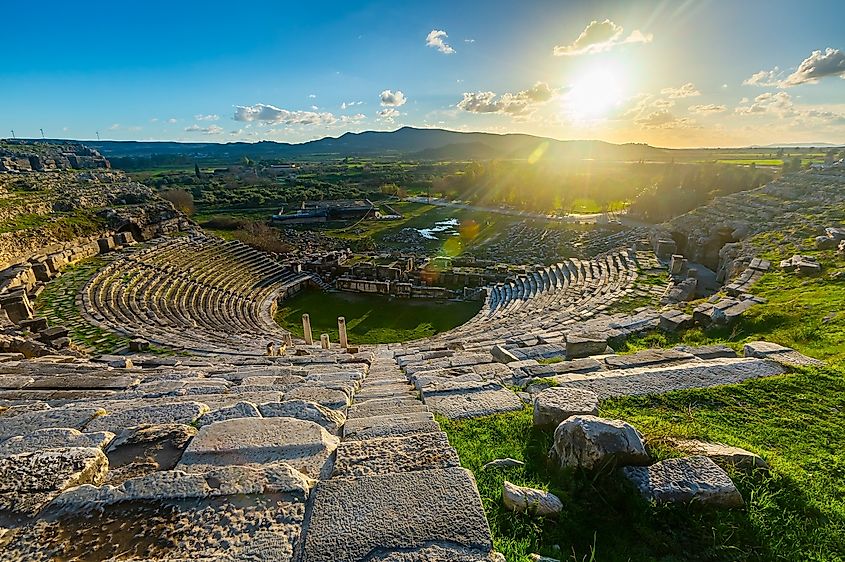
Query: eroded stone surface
[177, 412]
[28, 422]
[328, 397]
[29, 480]
[555, 404]
[590, 442]
[232, 513]
[54, 438]
[691, 479]
[530, 500]
[148, 448]
[331, 420]
[389, 426]
[424, 451]
[239, 410]
[304, 445]
[394, 513]
[474, 404]
[722, 454]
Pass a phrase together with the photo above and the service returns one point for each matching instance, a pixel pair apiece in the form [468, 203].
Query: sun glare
[594, 94]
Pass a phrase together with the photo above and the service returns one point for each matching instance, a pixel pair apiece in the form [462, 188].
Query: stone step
[385, 455]
[401, 514]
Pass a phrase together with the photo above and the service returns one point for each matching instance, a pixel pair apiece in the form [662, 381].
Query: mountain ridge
[405, 142]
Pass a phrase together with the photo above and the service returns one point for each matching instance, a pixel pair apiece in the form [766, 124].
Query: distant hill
[408, 142]
[798, 145]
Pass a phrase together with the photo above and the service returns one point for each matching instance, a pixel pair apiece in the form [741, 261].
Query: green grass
[793, 513]
[795, 421]
[57, 304]
[373, 318]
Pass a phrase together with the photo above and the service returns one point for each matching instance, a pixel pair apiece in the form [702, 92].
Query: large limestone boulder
[304, 445]
[688, 480]
[529, 500]
[556, 404]
[591, 443]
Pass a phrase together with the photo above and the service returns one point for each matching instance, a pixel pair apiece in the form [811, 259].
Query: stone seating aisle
[230, 459]
[197, 293]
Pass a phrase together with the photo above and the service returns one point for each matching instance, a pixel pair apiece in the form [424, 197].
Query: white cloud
[765, 78]
[436, 39]
[388, 114]
[348, 104]
[114, 126]
[172, 120]
[519, 104]
[599, 37]
[688, 90]
[265, 113]
[782, 106]
[390, 98]
[209, 117]
[777, 103]
[469, 40]
[210, 130]
[312, 96]
[707, 109]
[819, 64]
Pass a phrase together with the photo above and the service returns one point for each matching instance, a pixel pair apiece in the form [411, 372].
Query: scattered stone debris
[696, 480]
[530, 500]
[804, 265]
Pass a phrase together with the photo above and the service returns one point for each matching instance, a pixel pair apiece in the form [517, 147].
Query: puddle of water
[445, 226]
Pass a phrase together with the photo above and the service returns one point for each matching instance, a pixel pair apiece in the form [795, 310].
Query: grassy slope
[373, 318]
[795, 421]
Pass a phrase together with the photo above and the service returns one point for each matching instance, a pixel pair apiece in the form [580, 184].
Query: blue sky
[666, 72]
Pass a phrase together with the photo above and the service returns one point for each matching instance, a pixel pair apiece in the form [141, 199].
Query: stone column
[341, 328]
[306, 329]
[324, 341]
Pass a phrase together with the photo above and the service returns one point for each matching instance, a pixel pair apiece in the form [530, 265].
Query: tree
[181, 199]
[196, 169]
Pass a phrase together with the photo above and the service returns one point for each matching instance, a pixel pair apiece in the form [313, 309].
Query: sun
[594, 94]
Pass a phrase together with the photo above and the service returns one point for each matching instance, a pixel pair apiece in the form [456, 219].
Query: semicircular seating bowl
[197, 293]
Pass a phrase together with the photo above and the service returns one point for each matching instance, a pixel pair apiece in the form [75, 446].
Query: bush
[181, 199]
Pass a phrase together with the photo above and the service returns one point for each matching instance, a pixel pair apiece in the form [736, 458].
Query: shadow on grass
[605, 519]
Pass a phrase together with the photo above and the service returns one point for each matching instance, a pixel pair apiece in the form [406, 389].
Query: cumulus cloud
[390, 98]
[515, 104]
[265, 113]
[819, 64]
[777, 103]
[172, 120]
[765, 78]
[210, 130]
[348, 104]
[209, 117]
[599, 37]
[782, 106]
[389, 114]
[436, 39]
[707, 109]
[688, 90]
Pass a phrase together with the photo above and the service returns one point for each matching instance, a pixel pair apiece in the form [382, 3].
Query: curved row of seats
[545, 302]
[194, 292]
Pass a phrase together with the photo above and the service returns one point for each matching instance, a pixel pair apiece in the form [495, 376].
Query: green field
[373, 318]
